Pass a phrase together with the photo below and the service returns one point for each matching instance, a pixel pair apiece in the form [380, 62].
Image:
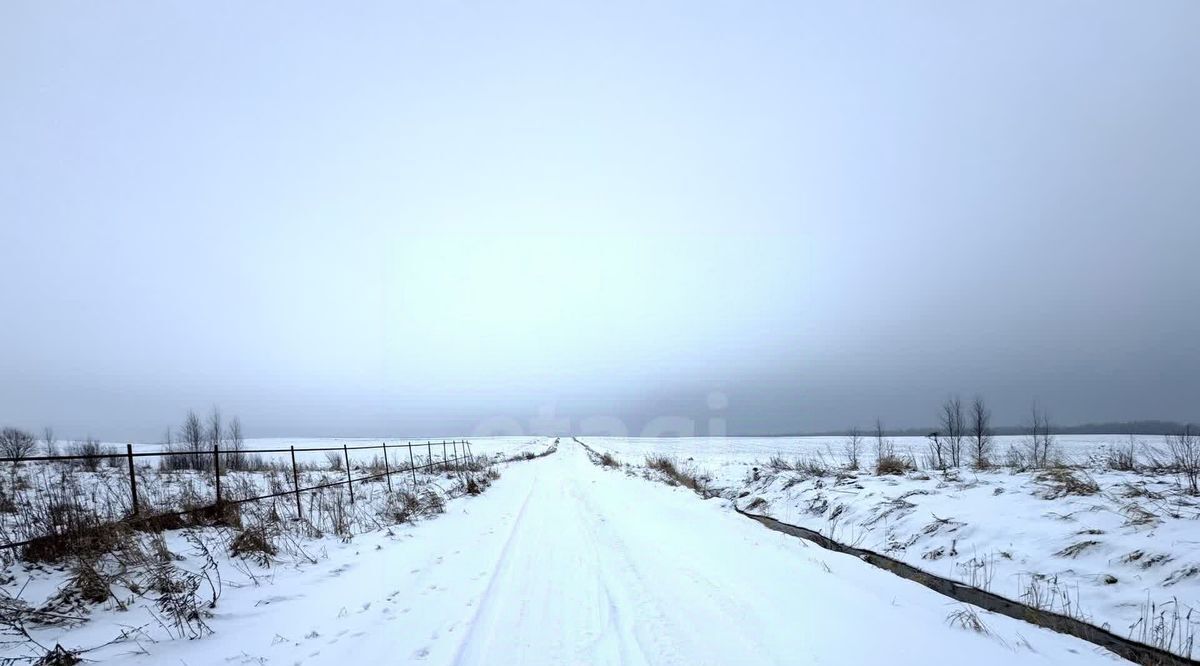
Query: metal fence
[456, 456]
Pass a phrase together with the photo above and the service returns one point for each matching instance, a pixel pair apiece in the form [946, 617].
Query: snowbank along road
[563, 562]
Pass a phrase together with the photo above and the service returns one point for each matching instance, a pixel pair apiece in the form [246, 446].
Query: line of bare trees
[965, 436]
[191, 447]
[20, 444]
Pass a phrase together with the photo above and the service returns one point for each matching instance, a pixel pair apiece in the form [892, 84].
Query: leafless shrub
[852, 448]
[1039, 443]
[96, 453]
[16, 443]
[953, 425]
[49, 441]
[334, 460]
[1123, 458]
[936, 457]
[215, 431]
[607, 459]
[234, 442]
[980, 430]
[883, 447]
[1184, 452]
[188, 452]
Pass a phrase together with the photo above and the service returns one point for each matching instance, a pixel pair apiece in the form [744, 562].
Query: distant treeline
[1110, 428]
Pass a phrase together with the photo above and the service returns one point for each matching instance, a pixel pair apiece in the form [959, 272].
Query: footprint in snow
[421, 654]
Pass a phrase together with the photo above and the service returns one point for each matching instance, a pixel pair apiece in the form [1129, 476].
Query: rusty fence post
[387, 471]
[132, 478]
[296, 485]
[412, 465]
[349, 481]
[217, 469]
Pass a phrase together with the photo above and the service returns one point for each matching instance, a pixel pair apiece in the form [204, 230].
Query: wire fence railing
[456, 457]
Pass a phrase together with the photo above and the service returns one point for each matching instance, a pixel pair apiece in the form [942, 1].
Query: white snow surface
[564, 562]
[1125, 556]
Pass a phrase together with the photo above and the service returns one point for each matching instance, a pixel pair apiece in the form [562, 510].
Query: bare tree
[1184, 449]
[853, 448]
[953, 427]
[215, 432]
[16, 443]
[191, 439]
[94, 450]
[937, 457]
[884, 448]
[234, 441]
[1039, 442]
[49, 440]
[981, 433]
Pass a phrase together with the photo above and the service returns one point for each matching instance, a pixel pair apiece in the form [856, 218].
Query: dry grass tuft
[1061, 481]
[255, 543]
[967, 618]
[891, 465]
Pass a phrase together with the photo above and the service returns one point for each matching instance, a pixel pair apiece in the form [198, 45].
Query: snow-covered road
[562, 562]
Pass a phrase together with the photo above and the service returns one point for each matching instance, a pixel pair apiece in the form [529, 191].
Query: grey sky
[383, 217]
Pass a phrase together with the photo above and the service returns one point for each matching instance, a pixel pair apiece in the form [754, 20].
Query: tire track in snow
[503, 565]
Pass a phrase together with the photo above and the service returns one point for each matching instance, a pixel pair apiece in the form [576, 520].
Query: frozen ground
[1117, 549]
[564, 562]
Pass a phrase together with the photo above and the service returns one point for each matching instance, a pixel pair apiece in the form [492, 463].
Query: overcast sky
[399, 218]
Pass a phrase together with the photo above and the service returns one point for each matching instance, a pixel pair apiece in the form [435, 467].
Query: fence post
[429, 455]
[412, 465]
[296, 485]
[387, 472]
[132, 478]
[349, 482]
[445, 460]
[457, 467]
[217, 469]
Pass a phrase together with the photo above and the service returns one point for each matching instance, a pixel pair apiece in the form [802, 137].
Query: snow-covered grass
[102, 579]
[1119, 548]
[100, 492]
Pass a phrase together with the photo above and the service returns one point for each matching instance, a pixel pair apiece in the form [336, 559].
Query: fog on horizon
[407, 218]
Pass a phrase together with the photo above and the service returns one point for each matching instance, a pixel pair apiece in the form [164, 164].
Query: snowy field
[1119, 549]
[559, 562]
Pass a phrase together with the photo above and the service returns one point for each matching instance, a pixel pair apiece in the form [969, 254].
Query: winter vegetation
[1092, 527]
[1098, 527]
[95, 573]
